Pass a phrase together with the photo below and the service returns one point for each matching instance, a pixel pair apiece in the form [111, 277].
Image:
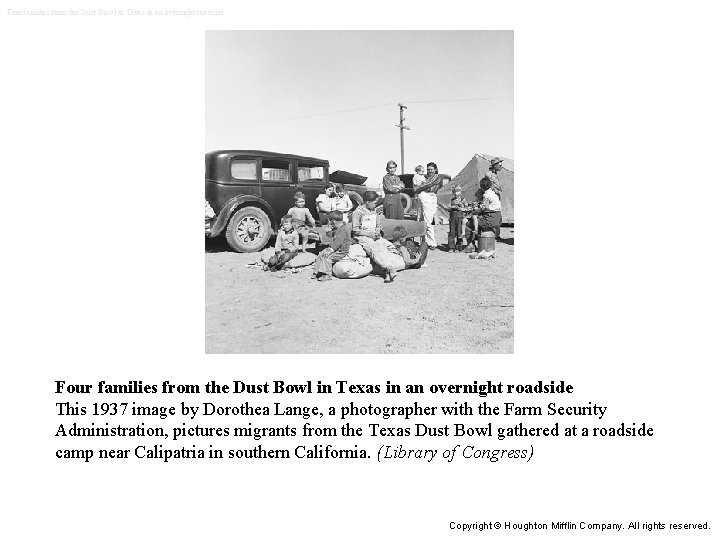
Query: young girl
[301, 218]
[325, 203]
[286, 245]
[342, 202]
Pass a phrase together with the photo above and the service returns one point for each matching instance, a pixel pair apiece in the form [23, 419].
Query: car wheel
[406, 202]
[248, 230]
[356, 198]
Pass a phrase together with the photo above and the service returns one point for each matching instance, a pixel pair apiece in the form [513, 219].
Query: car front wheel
[248, 230]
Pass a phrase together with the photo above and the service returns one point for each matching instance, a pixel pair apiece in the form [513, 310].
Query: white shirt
[491, 201]
[343, 204]
[325, 203]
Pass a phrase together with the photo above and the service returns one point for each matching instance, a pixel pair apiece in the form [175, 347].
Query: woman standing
[427, 195]
[392, 185]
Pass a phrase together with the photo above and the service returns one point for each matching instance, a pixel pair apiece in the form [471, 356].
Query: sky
[334, 95]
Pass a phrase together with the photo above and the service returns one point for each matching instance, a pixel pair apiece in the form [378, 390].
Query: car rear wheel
[248, 230]
[406, 202]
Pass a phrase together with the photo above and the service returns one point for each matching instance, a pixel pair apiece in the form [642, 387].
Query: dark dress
[393, 205]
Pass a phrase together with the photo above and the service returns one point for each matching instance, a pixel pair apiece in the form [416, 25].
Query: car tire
[356, 199]
[248, 230]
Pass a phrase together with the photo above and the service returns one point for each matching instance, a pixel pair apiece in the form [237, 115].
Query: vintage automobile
[250, 191]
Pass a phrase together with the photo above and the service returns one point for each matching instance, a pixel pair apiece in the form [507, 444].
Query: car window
[275, 170]
[310, 172]
[243, 169]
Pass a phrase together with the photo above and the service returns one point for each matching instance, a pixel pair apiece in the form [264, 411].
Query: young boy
[459, 209]
[412, 255]
[387, 255]
[342, 202]
[339, 247]
[364, 221]
[301, 218]
[286, 245]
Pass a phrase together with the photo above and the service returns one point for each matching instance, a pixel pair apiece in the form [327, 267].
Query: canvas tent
[469, 180]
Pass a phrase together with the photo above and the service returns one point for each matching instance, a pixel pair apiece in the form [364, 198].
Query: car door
[228, 176]
[277, 185]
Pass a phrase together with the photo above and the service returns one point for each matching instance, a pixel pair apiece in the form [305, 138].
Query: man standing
[492, 175]
[427, 196]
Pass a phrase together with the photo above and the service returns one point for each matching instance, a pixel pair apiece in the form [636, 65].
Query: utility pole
[402, 127]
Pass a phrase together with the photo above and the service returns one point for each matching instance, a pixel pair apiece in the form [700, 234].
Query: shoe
[324, 277]
[432, 248]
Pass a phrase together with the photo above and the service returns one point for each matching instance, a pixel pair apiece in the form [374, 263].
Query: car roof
[262, 153]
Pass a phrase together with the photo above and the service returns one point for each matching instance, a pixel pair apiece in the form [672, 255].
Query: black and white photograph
[359, 192]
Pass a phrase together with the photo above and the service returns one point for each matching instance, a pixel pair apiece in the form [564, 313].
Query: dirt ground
[455, 305]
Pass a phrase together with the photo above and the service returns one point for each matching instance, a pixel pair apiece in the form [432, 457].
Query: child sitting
[391, 257]
[325, 203]
[286, 245]
[488, 215]
[338, 249]
[412, 254]
[365, 228]
[301, 218]
[459, 210]
[342, 202]
[387, 254]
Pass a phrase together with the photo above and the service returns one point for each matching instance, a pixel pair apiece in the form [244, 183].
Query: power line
[460, 100]
[289, 118]
[345, 111]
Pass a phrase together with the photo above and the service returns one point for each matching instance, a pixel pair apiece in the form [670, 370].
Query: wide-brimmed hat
[495, 161]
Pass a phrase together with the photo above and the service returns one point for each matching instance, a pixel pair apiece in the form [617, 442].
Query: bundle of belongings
[361, 261]
[298, 261]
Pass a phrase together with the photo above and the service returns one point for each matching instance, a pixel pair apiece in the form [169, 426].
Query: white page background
[616, 269]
